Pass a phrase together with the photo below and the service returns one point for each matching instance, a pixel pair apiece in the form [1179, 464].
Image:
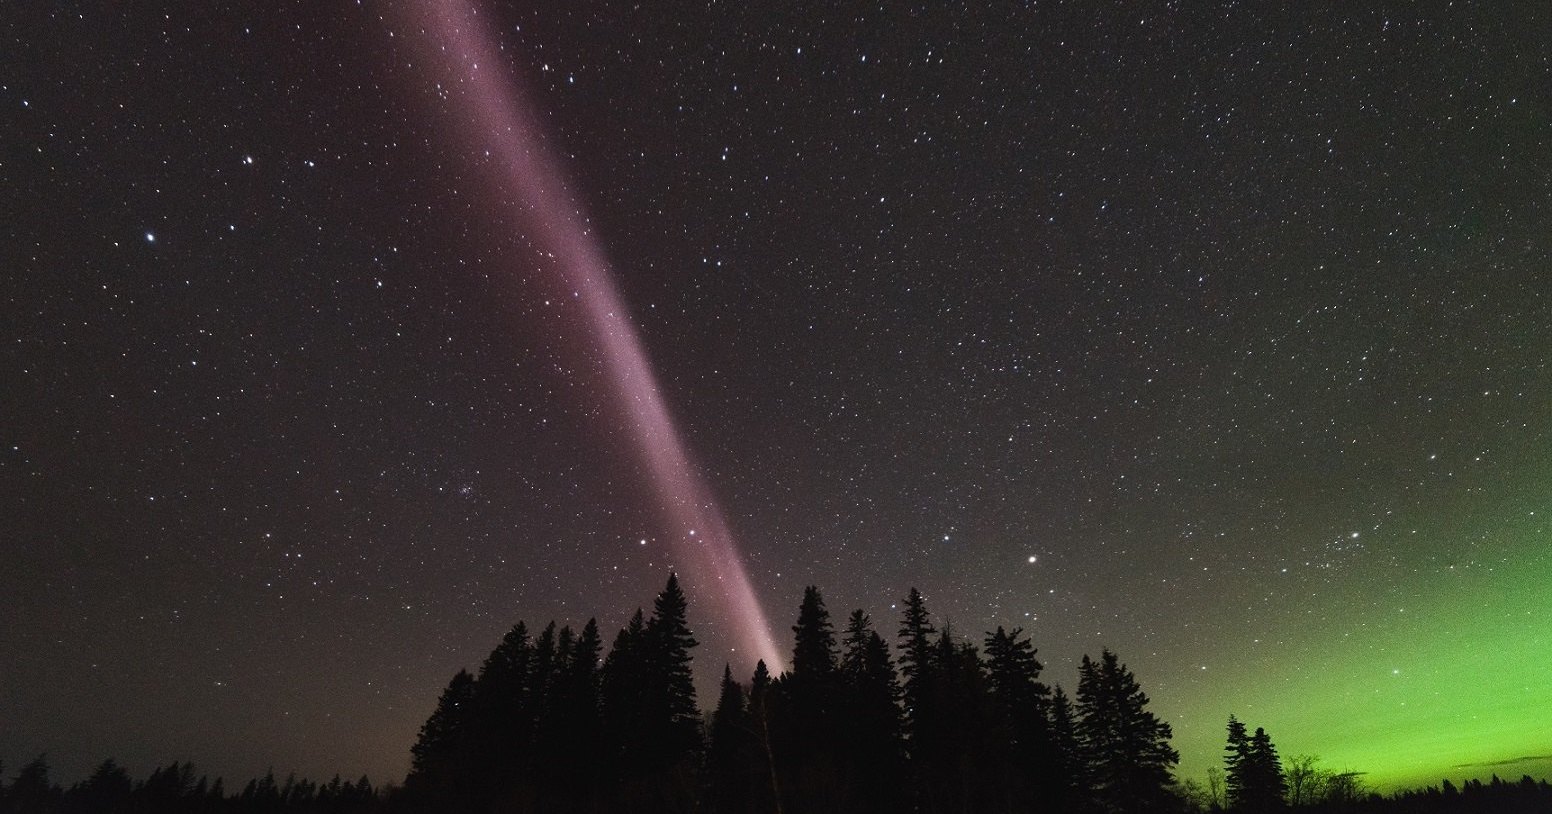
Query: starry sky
[1216, 334]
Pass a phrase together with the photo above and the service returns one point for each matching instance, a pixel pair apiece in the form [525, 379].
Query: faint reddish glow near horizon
[497, 119]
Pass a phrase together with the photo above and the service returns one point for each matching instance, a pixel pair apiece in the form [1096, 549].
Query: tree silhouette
[545, 728]
[806, 724]
[107, 789]
[1071, 770]
[671, 683]
[652, 724]
[1125, 746]
[439, 759]
[32, 791]
[871, 732]
[1026, 762]
[1236, 758]
[733, 759]
[915, 638]
[1253, 774]
[502, 718]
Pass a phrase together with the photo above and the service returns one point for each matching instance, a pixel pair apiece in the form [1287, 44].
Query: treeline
[178, 789]
[936, 723]
[955, 726]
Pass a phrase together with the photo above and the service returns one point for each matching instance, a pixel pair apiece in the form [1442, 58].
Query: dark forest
[939, 723]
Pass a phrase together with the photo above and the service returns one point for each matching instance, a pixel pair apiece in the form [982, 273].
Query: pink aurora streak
[498, 120]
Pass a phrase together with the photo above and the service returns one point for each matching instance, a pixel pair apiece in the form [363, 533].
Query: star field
[1214, 335]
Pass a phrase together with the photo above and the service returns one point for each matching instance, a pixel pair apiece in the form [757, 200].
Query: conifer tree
[813, 655]
[916, 649]
[500, 727]
[767, 796]
[31, 790]
[107, 789]
[1236, 760]
[730, 756]
[438, 768]
[623, 702]
[870, 722]
[1073, 778]
[1125, 746]
[1265, 784]
[673, 685]
[1025, 753]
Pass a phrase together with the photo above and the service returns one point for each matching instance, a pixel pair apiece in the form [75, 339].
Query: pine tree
[870, 721]
[916, 649]
[438, 768]
[762, 703]
[670, 641]
[1266, 786]
[32, 791]
[107, 789]
[1125, 746]
[1073, 779]
[1236, 760]
[730, 758]
[813, 656]
[1025, 753]
[623, 697]
[1253, 773]
[568, 737]
[806, 730]
[500, 726]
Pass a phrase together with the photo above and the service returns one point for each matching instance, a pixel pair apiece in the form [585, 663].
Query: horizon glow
[496, 118]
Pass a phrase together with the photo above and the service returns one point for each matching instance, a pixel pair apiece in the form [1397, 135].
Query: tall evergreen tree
[32, 790]
[673, 685]
[500, 727]
[762, 703]
[1236, 762]
[568, 739]
[108, 789]
[623, 690]
[870, 721]
[439, 763]
[730, 756]
[1025, 755]
[1125, 746]
[813, 655]
[1073, 785]
[806, 725]
[916, 649]
[1265, 786]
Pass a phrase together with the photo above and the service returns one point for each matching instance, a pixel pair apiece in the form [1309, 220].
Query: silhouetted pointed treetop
[548, 727]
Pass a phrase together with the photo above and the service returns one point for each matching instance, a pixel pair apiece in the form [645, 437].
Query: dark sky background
[1217, 334]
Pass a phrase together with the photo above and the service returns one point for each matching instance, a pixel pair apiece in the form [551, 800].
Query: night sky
[1218, 336]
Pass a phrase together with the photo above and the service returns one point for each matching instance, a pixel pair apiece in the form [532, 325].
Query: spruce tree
[916, 649]
[1073, 783]
[673, 685]
[762, 708]
[439, 762]
[1125, 746]
[870, 721]
[813, 655]
[807, 727]
[1025, 751]
[1236, 763]
[1265, 786]
[730, 755]
[624, 708]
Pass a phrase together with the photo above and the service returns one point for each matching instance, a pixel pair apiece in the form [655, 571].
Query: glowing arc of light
[498, 120]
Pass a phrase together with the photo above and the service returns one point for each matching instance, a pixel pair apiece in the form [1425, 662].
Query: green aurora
[1450, 678]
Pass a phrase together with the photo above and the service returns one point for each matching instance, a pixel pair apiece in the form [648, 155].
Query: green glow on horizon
[1449, 678]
